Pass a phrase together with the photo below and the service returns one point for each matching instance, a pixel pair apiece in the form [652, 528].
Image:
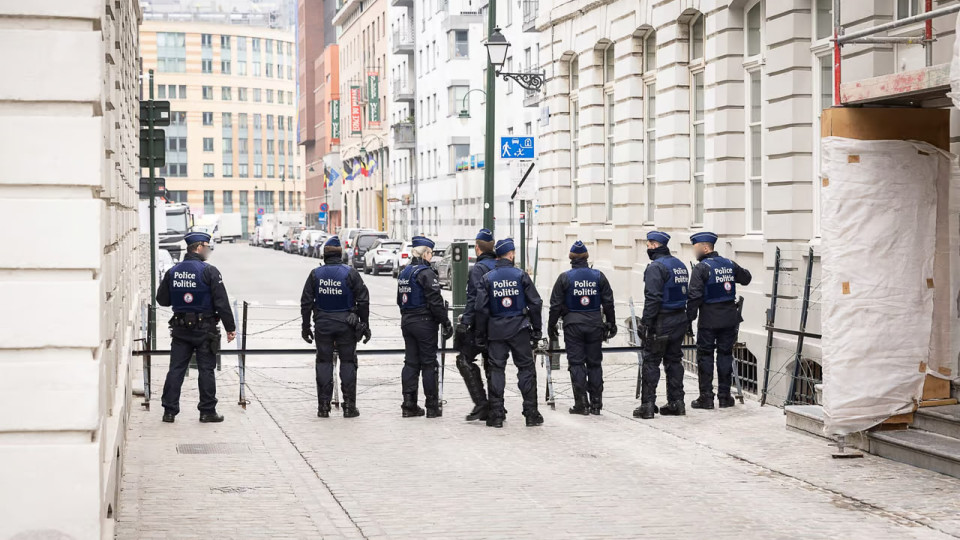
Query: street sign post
[324, 207]
[260, 211]
[516, 148]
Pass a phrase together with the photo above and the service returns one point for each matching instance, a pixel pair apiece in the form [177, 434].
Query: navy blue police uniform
[468, 350]
[713, 297]
[508, 318]
[195, 291]
[422, 313]
[582, 297]
[336, 298]
[665, 320]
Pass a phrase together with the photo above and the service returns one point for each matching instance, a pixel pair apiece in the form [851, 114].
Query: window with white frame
[609, 122]
[753, 80]
[823, 21]
[822, 62]
[698, 145]
[650, 121]
[908, 8]
[574, 89]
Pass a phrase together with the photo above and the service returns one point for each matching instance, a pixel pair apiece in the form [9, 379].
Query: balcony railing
[402, 91]
[403, 40]
[404, 135]
[530, 10]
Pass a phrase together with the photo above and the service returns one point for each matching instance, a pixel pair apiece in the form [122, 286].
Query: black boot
[645, 411]
[596, 407]
[534, 418]
[350, 410]
[433, 407]
[323, 411]
[579, 402]
[474, 382]
[211, 417]
[479, 412]
[410, 409]
[169, 417]
[495, 421]
[702, 402]
[673, 408]
[725, 402]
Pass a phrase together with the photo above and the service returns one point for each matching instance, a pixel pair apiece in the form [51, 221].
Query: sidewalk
[718, 474]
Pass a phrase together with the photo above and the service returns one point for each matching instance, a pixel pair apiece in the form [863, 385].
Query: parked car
[439, 248]
[291, 239]
[401, 258]
[380, 256]
[444, 265]
[364, 241]
[348, 236]
[315, 242]
[303, 242]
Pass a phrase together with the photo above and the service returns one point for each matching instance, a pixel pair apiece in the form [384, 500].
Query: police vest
[583, 291]
[409, 291]
[505, 288]
[188, 292]
[720, 286]
[332, 293]
[675, 287]
[489, 264]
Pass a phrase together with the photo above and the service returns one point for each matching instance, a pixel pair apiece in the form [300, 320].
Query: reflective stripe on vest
[583, 291]
[675, 287]
[504, 285]
[188, 292]
[409, 291]
[720, 286]
[332, 294]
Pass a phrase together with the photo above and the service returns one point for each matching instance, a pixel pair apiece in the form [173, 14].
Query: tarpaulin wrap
[879, 226]
[955, 70]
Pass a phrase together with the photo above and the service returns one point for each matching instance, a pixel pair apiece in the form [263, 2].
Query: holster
[194, 321]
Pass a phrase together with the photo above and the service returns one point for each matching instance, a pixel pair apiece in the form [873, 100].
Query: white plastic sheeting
[955, 70]
[879, 224]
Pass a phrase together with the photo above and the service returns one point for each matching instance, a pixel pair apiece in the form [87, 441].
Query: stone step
[941, 420]
[919, 448]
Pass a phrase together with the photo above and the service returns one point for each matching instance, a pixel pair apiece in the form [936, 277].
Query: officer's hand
[366, 334]
[307, 335]
[447, 330]
[690, 329]
[536, 336]
[553, 332]
[611, 330]
[231, 336]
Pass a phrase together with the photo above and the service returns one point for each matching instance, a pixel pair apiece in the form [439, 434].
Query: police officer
[338, 300]
[663, 325]
[577, 297]
[195, 290]
[508, 317]
[713, 293]
[422, 311]
[466, 329]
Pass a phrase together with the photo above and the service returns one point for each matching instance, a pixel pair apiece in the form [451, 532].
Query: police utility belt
[192, 321]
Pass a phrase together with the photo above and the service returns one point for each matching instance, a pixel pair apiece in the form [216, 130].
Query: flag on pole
[372, 163]
[334, 175]
[348, 170]
[364, 169]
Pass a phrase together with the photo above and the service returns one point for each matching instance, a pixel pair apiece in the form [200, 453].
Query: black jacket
[361, 298]
[653, 279]
[475, 281]
[558, 307]
[721, 315]
[212, 277]
[434, 308]
[503, 328]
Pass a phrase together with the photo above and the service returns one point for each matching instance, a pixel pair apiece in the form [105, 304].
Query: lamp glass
[497, 47]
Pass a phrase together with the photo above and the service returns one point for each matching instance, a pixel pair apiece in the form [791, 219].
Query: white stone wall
[68, 276]
[791, 96]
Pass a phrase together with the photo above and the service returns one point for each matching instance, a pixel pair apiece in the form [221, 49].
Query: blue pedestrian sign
[322, 217]
[516, 147]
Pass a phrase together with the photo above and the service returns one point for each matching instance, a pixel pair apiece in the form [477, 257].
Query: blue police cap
[196, 237]
[658, 236]
[578, 247]
[708, 237]
[422, 241]
[486, 235]
[504, 246]
[333, 241]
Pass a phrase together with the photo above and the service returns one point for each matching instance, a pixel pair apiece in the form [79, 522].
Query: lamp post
[497, 48]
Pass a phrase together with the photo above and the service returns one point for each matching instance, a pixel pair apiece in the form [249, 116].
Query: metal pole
[383, 195]
[906, 21]
[837, 32]
[889, 40]
[489, 146]
[242, 359]
[771, 318]
[804, 309]
[152, 313]
[928, 36]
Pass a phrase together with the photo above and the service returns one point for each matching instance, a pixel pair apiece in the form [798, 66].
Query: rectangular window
[268, 69]
[227, 202]
[282, 149]
[225, 67]
[207, 92]
[208, 144]
[271, 147]
[178, 196]
[280, 97]
[228, 170]
[651, 143]
[280, 122]
[171, 52]
[226, 93]
[270, 121]
[243, 120]
[256, 69]
[461, 44]
[458, 152]
[755, 163]
[908, 8]
[208, 118]
[224, 42]
[244, 171]
[271, 171]
[208, 170]
[269, 96]
[257, 121]
[455, 105]
[289, 147]
[241, 67]
[244, 146]
[698, 143]
[257, 95]
[208, 205]
[227, 145]
[183, 91]
[257, 170]
[206, 40]
[226, 119]
[258, 147]
[206, 66]
[162, 92]
[242, 94]
[824, 19]
[610, 121]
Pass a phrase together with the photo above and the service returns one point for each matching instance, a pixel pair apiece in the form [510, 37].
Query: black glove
[611, 330]
[535, 337]
[690, 328]
[553, 332]
[366, 333]
[447, 330]
[307, 334]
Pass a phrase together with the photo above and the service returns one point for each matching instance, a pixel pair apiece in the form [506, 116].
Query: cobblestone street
[281, 472]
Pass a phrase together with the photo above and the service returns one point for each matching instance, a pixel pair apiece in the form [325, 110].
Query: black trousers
[669, 352]
[185, 343]
[341, 337]
[420, 338]
[519, 346]
[469, 351]
[721, 340]
[585, 359]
